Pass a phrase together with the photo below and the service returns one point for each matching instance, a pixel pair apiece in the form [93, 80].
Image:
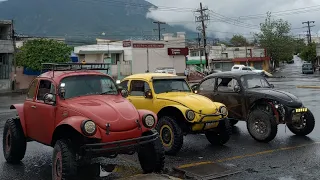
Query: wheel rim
[8, 141]
[302, 123]
[166, 135]
[57, 167]
[260, 126]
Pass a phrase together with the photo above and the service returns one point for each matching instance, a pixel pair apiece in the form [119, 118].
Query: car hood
[281, 96]
[193, 101]
[103, 109]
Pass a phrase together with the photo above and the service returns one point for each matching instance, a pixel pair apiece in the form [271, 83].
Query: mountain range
[83, 20]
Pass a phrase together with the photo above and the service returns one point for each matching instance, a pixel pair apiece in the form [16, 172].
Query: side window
[45, 87]
[226, 84]
[124, 84]
[236, 67]
[138, 87]
[207, 85]
[32, 89]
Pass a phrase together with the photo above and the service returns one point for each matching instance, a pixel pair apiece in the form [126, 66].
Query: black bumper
[117, 147]
[211, 115]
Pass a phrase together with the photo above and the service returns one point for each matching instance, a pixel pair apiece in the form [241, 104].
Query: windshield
[254, 81]
[76, 86]
[307, 65]
[170, 85]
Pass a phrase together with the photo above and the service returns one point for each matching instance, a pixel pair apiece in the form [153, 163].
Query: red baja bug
[81, 113]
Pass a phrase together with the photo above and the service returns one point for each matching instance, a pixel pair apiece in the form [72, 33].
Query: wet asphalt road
[287, 157]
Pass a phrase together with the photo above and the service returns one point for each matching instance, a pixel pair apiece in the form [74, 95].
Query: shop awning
[193, 62]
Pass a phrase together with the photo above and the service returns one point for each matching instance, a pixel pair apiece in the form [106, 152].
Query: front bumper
[290, 112]
[205, 124]
[127, 146]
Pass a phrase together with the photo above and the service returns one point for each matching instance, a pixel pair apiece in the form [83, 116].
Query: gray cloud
[233, 14]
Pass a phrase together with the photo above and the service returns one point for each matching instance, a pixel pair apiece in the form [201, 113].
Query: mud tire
[310, 124]
[64, 165]
[14, 142]
[268, 120]
[221, 135]
[169, 125]
[152, 157]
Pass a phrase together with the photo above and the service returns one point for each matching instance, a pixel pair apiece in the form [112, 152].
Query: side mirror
[124, 93]
[49, 99]
[237, 88]
[148, 94]
[271, 85]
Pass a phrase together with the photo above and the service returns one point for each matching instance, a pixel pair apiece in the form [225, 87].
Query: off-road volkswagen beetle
[249, 97]
[180, 111]
[82, 114]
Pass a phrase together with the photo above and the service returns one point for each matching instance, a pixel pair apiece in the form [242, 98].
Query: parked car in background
[307, 68]
[249, 97]
[81, 114]
[250, 68]
[169, 70]
[180, 111]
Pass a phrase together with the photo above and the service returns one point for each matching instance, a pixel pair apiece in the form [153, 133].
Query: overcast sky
[230, 12]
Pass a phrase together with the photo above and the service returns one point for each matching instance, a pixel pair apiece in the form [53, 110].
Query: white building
[137, 56]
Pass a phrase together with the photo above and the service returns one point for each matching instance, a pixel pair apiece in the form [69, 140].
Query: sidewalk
[9, 93]
[151, 177]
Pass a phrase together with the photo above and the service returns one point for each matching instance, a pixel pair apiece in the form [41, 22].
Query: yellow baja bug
[180, 111]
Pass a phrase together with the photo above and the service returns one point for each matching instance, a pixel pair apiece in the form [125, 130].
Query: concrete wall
[22, 81]
[6, 46]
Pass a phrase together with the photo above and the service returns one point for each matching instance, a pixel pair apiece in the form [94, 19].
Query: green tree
[35, 52]
[239, 40]
[299, 46]
[309, 52]
[275, 38]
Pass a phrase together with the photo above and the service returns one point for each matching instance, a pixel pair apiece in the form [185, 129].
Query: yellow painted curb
[309, 87]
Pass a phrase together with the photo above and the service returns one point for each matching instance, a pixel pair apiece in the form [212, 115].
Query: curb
[309, 87]
[9, 93]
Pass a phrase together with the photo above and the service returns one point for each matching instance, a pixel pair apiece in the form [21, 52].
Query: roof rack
[71, 66]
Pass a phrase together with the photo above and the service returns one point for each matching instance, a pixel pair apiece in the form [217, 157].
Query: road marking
[247, 155]
[309, 87]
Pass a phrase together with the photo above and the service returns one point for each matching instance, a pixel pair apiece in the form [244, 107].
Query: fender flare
[181, 108]
[75, 123]
[20, 110]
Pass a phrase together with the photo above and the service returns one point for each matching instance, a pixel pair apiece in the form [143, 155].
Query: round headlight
[149, 121]
[223, 110]
[88, 127]
[190, 115]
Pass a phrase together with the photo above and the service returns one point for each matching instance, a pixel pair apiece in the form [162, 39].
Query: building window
[4, 66]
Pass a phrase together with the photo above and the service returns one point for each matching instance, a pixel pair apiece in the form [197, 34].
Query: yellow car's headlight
[190, 115]
[223, 110]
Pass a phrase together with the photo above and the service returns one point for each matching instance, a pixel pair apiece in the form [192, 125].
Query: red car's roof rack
[73, 66]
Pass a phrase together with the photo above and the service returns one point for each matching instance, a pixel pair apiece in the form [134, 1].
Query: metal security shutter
[258, 65]
[226, 66]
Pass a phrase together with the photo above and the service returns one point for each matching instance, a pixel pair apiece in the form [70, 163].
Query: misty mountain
[83, 20]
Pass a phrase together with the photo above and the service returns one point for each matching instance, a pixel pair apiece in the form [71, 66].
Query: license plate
[208, 125]
[300, 110]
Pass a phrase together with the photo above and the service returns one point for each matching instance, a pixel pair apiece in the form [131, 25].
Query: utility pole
[148, 60]
[203, 18]
[13, 37]
[159, 28]
[200, 49]
[309, 30]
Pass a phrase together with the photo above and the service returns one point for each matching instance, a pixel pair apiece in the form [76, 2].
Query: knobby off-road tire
[233, 122]
[263, 122]
[171, 135]
[152, 157]
[64, 165]
[14, 142]
[221, 135]
[307, 128]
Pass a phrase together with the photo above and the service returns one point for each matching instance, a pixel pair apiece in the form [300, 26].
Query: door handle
[34, 107]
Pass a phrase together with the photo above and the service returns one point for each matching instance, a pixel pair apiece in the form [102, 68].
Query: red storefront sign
[126, 43]
[138, 45]
[178, 51]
